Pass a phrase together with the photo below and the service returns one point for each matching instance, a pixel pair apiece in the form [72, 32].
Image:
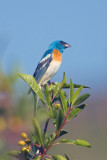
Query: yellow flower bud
[57, 106]
[27, 150]
[23, 149]
[21, 143]
[23, 135]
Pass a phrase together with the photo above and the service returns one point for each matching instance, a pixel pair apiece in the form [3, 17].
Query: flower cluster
[26, 143]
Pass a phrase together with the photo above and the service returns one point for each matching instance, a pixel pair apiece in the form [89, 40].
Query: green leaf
[30, 80]
[37, 129]
[81, 99]
[33, 139]
[59, 86]
[64, 79]
[71, 92]
[47, 95]
[67, 158]
[78, 86]
[58, 157]
[53, 114]
[67, 141]
[14, 153]
[75, 86]
[49, 139]
[34, 148]
[59, 119]
[19, 155]
[76, 110]
[63, 101]
[76, 94]
[82, 143]
[56, 89]
[37, 158]
[77, 142]
[52, 87]
[62, 132]
[42, 115]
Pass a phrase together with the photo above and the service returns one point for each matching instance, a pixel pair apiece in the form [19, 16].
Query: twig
[64, 122]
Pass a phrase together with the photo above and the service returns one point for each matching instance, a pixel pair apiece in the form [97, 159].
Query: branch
[64, 122]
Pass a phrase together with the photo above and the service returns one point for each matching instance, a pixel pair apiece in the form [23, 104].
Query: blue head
[60, 45]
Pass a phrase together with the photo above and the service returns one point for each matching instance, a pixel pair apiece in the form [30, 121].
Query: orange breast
[57, 55]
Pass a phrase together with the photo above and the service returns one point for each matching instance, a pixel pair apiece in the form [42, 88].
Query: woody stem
[64, 122]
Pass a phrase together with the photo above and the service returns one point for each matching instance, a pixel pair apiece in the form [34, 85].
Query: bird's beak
[67, 45]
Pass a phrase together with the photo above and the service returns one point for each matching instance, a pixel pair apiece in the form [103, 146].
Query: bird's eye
[62, 42]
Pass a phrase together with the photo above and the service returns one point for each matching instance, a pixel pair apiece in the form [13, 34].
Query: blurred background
[26, 30]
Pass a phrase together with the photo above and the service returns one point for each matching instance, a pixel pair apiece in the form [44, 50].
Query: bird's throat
[57, 56]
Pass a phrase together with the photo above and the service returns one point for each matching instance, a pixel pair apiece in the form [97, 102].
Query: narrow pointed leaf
[81, 99]
[14, 153]
[54, 114]
[58, 157]
[64, 79]
[49, 139]
[82, 143]
[63, 101]
[66, 141]
[37, 129]
[19, 155]
[30, 80]
[76, 110]
[78, 86]
[71, 92]
[77, 142]
[67, 85]
[33, 139]
[59, 119]
[67, 158]
[62, 132]
[56, 89]
[76, 94]
[59, 86]
[34, 148]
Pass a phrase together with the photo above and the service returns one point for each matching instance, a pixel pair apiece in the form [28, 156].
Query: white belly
[52, 69]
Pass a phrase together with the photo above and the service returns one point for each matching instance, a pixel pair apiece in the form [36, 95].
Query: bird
[50, 62]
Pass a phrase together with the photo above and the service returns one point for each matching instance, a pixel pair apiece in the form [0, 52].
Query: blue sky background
[27, 27]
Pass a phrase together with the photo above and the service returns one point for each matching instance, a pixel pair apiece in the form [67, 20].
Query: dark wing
[43, 65]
